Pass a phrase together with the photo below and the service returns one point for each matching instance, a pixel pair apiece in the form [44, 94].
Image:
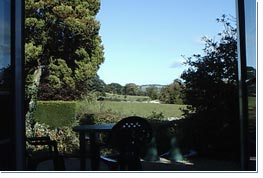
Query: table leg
[95, 152]
[82, 147]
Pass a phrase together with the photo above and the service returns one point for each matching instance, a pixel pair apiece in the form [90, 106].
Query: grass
[136, 108]
[118, 106]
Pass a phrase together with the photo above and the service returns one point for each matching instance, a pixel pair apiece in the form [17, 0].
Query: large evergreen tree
[63, 42]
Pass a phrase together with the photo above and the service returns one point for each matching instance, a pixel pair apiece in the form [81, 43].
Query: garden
[63, 53]
[57, 118]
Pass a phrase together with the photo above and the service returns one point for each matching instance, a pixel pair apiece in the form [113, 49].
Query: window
[11, 86]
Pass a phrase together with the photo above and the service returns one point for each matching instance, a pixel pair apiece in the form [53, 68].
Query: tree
[114, 88]
[5, 78]
[32, 73]
[211, 93]
[251, 81]
[171, 94]
[67, 35]
[152, 92]
[97, 85]
[131, 89]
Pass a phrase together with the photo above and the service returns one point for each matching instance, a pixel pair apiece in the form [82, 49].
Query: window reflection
[5, 58]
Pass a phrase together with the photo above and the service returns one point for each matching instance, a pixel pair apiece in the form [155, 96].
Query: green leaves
[62, 37]
[211, 93]
[54, 81]
[171, 94]
[32, 53]
[84, 71]
[60, 75]
[63, 11]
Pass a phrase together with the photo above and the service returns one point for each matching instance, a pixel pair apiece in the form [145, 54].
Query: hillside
[143, 87]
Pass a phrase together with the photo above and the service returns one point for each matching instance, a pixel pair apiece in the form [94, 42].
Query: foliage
[83, 111]
[97, 85]
[131, 89]
[66, 138]
[55, 113]
[90, 111]
[126, 98]
[152, 92]
[211, 93]
[32, 75]
[171, 94]
[156, 115]
[251, 81]
[123, 109]
[62, 37]
[5, 78]
[114, 88]
[212, 77]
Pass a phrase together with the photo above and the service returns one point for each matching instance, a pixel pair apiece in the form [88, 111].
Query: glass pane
[5, 62]
[250, 17]
[5, 56]
[151, 43]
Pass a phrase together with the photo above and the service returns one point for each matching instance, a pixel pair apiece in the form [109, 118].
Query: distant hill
[143, 87]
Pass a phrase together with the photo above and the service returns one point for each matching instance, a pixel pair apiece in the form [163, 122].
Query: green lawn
[139, 109]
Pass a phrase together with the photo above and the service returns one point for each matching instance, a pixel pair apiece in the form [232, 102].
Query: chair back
[129, 136]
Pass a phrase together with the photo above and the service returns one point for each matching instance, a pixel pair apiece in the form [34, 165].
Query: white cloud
[198, 41]
[177, 64]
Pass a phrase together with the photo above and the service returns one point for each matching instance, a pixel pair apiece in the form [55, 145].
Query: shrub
[66, 138]
[55, 113]
[209, 136]
[91, 111]
[156, 115]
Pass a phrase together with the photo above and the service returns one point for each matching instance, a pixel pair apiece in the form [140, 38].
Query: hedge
[56, 113]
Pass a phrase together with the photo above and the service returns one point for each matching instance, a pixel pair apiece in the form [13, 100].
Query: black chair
[35, 157]
[128, 137]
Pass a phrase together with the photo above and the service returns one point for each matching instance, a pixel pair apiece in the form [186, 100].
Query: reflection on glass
[5, 58]
[250, 15]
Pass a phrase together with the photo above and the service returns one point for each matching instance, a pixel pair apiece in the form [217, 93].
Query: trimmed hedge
[56, 113]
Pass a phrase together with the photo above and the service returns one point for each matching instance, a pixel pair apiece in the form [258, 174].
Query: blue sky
[144, 39]
[4, 34]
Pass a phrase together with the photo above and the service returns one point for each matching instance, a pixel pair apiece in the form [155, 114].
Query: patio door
[247, 52]
[11, 86]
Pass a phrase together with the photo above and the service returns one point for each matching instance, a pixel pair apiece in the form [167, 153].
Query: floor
[72, 164]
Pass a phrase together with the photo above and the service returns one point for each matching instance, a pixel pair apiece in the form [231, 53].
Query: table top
[93, 128]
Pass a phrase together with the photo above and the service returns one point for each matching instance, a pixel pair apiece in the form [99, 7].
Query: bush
[91, 111]
[156, 115]
[55, 113]
[209, 136]
[66, 138]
